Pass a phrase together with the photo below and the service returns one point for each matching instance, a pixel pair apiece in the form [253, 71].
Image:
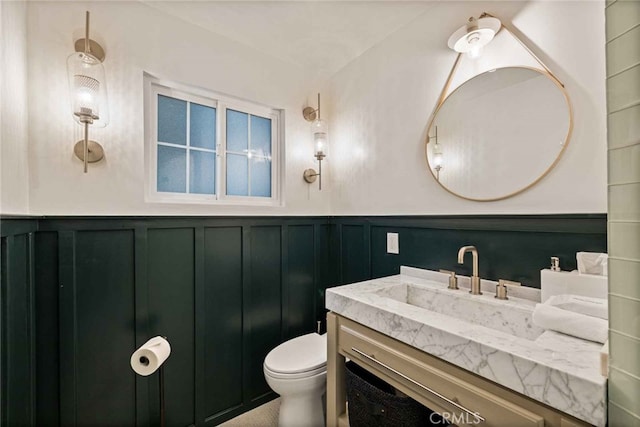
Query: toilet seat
[300, 357]
[298, 375]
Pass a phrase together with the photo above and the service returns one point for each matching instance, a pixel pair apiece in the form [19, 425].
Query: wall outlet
[393, 244]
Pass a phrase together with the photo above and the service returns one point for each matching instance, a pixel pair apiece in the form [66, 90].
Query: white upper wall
[381, 102]
[378, 107]
[14, 172]
[140, 38]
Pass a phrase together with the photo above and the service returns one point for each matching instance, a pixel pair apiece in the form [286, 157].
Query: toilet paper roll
[150, 356]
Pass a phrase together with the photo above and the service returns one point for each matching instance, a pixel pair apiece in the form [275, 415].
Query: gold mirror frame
[444, 96]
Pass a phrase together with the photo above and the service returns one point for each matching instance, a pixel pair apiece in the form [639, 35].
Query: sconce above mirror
[495, 132]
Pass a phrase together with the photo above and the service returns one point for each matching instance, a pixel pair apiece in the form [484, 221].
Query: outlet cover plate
[393, 244]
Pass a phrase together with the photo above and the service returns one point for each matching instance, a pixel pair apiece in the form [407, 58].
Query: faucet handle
[504, 282]
[453, 280]
[501, 288]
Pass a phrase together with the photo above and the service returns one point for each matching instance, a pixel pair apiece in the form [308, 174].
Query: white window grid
[155, 87]
[249, 153]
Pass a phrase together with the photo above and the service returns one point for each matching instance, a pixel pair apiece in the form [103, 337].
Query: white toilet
[297, 371]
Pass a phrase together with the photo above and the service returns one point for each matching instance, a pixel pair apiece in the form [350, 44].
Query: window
[207, 148]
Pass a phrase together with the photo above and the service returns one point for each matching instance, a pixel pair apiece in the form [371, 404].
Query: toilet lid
[301, 354]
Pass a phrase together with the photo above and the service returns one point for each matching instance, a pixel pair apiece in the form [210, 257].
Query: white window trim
[154, 86]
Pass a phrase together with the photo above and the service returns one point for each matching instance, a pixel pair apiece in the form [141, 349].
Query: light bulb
[475, 51]
[85, 99]
[474, 44]
[320, 141]
[86, 91]
[437, 159]
[437, 156]
[87, 85]
[319, 129]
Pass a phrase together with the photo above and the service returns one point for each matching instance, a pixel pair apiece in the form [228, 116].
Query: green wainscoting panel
[14, 226]
[510, 247]
[17, 342]
[326, 268]
[264, 305]
[104, 328]
[67, 320]
[502, 255]
[224, 290]
[47, 343]
[354, 252]
[171, 275]
[301, 284]
[223, 320]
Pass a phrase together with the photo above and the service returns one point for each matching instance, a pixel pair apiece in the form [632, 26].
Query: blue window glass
[260, 136]
[237, 175]
[172, 169]
[172, 120]
[237, 131]
[202, 126]
[260, 177]
[187, 145]
[202, 172]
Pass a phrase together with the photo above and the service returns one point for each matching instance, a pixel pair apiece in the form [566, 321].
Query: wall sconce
[87, 85]
[437, 155]
[320, 136]
[474, 35]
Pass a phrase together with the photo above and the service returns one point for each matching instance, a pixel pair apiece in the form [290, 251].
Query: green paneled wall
[354, 256]
[102, 300]
[80, 294]
[509, 247]
[223, 333]
[224, 291]
[172, 313]
[623, 102]
[301, 277]
[17, 335]
[47, 331]
[264, 315]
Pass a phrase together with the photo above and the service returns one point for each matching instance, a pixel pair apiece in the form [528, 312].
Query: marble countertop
[492, 338]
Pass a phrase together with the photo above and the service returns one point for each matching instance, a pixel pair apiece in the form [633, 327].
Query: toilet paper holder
[161, 387]
[144, 361]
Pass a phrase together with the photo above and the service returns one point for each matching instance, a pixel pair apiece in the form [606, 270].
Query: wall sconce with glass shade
[88, 90]
[474, 35]
[320, 132]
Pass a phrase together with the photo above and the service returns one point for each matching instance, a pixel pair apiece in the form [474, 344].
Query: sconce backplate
[310, 175]
[96, 152]
[94, 48]
[309, 114]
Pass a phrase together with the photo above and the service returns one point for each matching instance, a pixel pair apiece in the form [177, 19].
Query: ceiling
[319, 36]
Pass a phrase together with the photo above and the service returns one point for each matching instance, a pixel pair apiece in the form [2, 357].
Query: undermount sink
[513, 317]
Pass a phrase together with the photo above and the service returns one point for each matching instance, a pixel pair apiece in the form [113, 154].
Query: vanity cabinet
[439, 385]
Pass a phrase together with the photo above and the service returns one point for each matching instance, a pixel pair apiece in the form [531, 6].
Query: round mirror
[499, 133]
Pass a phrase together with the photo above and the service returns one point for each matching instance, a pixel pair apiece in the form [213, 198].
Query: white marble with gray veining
[492, 338]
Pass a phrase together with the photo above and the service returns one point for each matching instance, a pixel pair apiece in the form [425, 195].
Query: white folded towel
[570, 323]
[596, 307]
[592, 263]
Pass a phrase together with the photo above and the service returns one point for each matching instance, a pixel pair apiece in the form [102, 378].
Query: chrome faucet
[475, 279]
